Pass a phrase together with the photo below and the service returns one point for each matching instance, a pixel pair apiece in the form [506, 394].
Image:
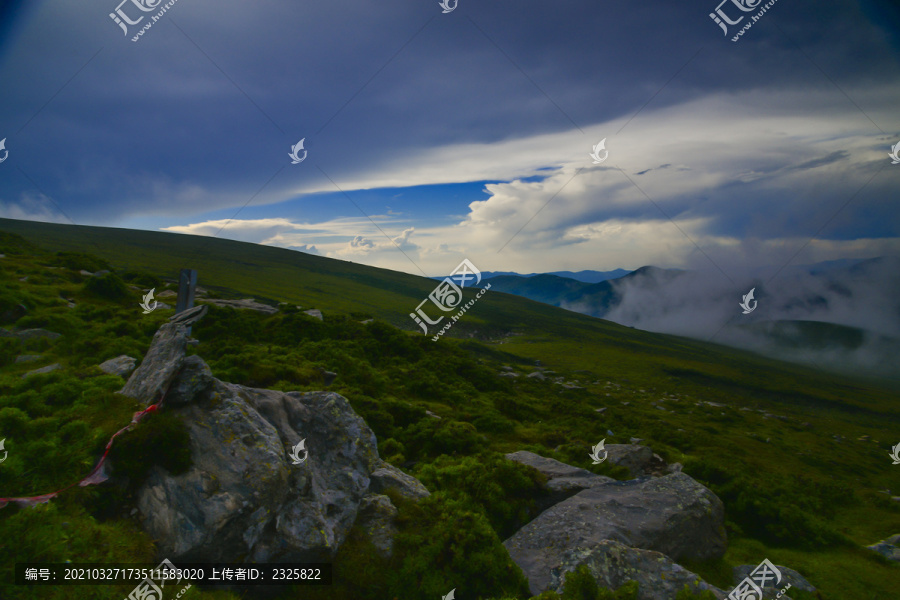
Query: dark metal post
[187, 285]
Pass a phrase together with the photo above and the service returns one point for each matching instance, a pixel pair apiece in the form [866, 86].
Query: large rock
[674, 515]
[120, 365]
[563, 481]
[243, 498]
[244, 304]
[613, 564]
[164, 359]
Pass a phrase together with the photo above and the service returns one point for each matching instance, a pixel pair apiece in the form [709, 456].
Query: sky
[434, 136]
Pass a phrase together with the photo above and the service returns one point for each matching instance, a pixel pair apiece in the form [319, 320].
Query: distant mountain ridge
[587, 276]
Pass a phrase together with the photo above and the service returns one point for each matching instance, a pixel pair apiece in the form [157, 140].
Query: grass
[793, 491]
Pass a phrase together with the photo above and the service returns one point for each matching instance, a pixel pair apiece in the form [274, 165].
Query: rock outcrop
[674, 515]
[614, 564]
[563, 481]
[244, 304]
[164, 359]
[120, 365]
[888, 548]
[244, 499]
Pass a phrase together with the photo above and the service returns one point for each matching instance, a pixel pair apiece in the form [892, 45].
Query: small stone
[315, 313]
[121, 365]
[34, 334]
[431, 414]
[537, 375]
[600, 410]
[42, 370]
[27, 358]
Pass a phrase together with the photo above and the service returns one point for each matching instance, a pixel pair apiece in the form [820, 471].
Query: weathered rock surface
[243, 499]
[27, 358]
[244, 304]
[633, 457]
[674, 515]
[788, 576]
[121, 365]
[389, 477]
[563, 481]
[315, 312]
[35, 334]
[613, 564]
[376, 520]
[889, 548]
[164, 359]
[47, 369]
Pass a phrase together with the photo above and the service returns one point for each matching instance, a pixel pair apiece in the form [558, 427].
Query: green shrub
[505, 491]
[108, 286]
[441, 541]
[142, 279]
[78, 261]
[431, 437]
[160, 439]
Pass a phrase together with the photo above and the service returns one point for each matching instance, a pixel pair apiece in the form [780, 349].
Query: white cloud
[32, 207]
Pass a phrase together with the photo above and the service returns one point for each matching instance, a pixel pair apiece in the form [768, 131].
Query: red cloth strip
[97, 475]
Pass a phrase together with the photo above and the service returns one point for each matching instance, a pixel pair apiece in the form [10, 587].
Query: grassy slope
[616, 365]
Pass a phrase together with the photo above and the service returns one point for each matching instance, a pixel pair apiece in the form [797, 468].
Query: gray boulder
[388, 477]
[633, 457]
[563, 481]
[788, 576]
[674, 515]
[613, 564]
[27, 358]
[376, 521]
[164, 359]
[244, 304]
[888, 548]
[243, 499]
[121, 365]
[42, 370]
[315, 313]
[36, 334]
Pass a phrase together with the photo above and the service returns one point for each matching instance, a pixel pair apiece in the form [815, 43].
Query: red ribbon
[98, 475]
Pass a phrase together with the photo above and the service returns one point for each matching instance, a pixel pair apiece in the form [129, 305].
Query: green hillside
[782, 445]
